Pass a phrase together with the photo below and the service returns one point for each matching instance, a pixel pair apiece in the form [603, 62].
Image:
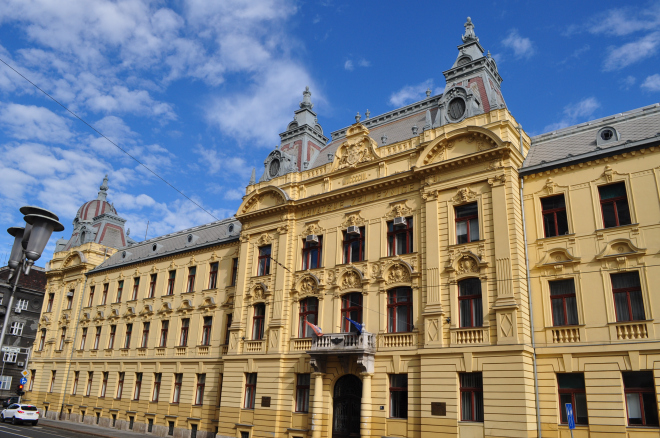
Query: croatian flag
[316, 328]
[357, 325]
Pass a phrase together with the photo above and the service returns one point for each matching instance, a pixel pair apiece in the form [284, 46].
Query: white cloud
[652, 83]
[630, 53]
[233, 194]
[348, 65]
[624, 21]
[29, 122]
[410, 93]
[575, 112]
[214, 161]
[522, 46]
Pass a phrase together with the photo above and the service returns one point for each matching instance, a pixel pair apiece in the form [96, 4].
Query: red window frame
[51, 299]
[90, 302]
[136, 288]
[158, 377]
[199, 393]
[258, 320]
[308, 250]
[69, 299]
[304, 314]
[393, 304]
[302, 392]
[83, 338]
[183, 339]
[42, 340]
[473, 304]
[104, 295]
[170, 283]
[468, 220]
[392, 233]
[129, 333]
[234, 271]
[472, 392]
[145, 334]
[62, 338]
[250, 390]
[263, 267]
[640, 391]
[396, 411]
[563, 298]
[192, 273]
[227, 327]
[120, 290]
[627, 291]
[614, 202]
[33, 375]
[213, 275]
[76, 375]
[572, 392]
[164, 329]
[53, 374]
[97, 338]
[90, 379]
[347, 307]
[104, 383]
[178, 380]
[152, 285]
[120, 385]
[349, 240]
[206, 330]
[111, 339]
[138, 386]
[551, 213]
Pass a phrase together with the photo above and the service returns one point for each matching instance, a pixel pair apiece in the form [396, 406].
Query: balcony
[631, 331]
[254, 346]
[397, 340]
[340, 343]
[469, 336]
[565, 335]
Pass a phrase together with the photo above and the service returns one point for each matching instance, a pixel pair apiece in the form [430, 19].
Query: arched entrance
[346, 411]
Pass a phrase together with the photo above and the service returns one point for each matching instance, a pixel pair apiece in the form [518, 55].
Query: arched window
[258, 321]
[469, 299]
[309, 311]
[351, 307]
[399, 310]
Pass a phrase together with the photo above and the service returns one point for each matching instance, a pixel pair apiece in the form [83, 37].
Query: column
[317, 405]
[365, 408]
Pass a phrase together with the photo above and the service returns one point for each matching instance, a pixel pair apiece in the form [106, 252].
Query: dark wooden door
[346, 411]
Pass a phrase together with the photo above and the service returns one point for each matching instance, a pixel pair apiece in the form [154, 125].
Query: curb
[57, 426]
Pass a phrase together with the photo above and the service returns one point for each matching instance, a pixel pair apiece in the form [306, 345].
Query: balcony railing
[565, 335]
[301, 344]
[476, 335]
[254, 346]
[635, 330]
[343, 342]
[397, 340]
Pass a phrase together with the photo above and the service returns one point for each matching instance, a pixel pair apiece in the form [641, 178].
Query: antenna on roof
[145, 232]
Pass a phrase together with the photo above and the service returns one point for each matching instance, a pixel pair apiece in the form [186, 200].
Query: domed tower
[97, 221]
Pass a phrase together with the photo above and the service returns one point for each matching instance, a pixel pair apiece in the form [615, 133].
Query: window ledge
[555, 327]
[638, 321]
[600, 230]
[558, 237]
[642, 427]
[474, 242]
[130, 301]
[470, 422]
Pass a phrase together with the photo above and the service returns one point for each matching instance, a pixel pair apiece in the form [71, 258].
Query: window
[398, 396]
[192, 272]
[469, 301]
[351, 307]
[83, 338]
[104, 295]
[10, 357]
[354, 246]
[400, 238]
[199, 393]
[42, 340]
[234, 271]
[145, 334]
[614, 205]
[258, 321]
[90, 302]
[111, 340]
[213, 276]
[178, 380]
[302, 392]
[571, 390]
[220, 380]
[467, 223]
[170, 283]
[309, 311]
[264, 261]
[206, 330]
[97, 338]
[90, 379]
[136, 287]
[120, 384]
[62, 338]
[104, 383]
[5, 383]
[158, 378]
[311, 254]
[555, 221]
[152, 285]
[51, 299]
[53, 373]
[399, 310]
[564, 305]
[138, 386]
[250, 390]
[170, 428]
[120, 290]
[33, 375]
[76, 375]
[628, 301]
[129, 333]
[69, 299]
[228, 326]
[16, 328]
[472, 397]
[164, 327]
[183, 339]
[641, 402]
[22, 304]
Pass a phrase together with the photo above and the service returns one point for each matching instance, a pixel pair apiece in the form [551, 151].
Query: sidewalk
[88, 429]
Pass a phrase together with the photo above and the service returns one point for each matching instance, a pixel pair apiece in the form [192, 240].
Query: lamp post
[29, 243]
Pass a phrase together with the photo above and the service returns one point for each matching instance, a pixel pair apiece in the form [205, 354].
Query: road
[25, 431]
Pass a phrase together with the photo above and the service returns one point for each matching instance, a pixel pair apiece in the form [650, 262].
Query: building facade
[432, 271]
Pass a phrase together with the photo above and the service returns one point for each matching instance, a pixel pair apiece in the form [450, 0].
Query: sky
[199, 90]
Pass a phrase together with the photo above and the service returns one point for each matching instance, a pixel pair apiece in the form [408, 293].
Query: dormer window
[607, 135]
[464, 60]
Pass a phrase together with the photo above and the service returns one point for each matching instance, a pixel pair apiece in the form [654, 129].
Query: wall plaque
[439, 408]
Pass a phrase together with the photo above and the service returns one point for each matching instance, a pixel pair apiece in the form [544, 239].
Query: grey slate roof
[201, 236]
[579, 141]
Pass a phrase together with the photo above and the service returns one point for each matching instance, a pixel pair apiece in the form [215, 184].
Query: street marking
[35, 427]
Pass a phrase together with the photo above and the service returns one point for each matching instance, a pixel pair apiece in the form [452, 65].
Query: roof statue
[307, 102]
[469, 32]
[103, 190]
[253, 177]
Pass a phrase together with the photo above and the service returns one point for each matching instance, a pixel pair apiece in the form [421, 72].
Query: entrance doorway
[346, 411]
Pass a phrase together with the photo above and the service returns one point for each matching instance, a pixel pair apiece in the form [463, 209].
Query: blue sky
[199, 90]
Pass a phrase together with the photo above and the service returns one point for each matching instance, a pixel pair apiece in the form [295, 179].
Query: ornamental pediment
[620, 248]
[558, 256]
[307, 284]
[358, 148]
[263, 198]
[184, 306]
[209, 302]
[351, 278]
[165, 308]
[146, 310]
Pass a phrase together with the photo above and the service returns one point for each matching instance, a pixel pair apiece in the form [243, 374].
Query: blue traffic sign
[23, 380]
[569, 416]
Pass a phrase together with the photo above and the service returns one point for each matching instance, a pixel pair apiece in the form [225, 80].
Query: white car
[20, 413]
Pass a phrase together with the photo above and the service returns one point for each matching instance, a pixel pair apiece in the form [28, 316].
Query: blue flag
[357, 325]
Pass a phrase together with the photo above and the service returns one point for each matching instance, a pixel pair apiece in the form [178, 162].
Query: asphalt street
[25, 431]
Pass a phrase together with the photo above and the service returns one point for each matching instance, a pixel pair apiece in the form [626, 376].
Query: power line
[111, 142]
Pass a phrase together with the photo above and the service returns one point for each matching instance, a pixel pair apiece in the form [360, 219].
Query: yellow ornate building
[376, 284]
